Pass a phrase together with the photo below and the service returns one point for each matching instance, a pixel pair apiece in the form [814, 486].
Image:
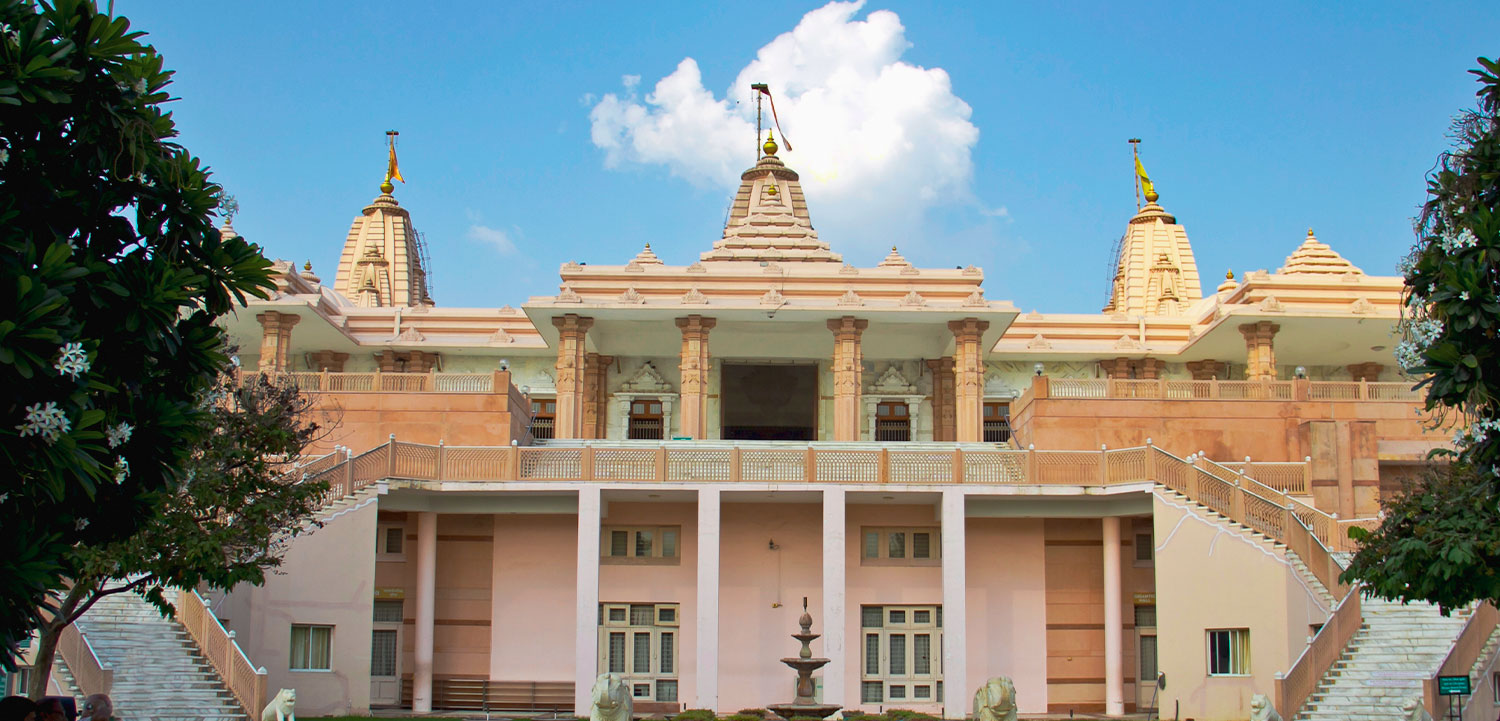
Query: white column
[956, 692]
[586, 630]
[1114, 686]
[707, 669]
[831, 625]
[421, 677]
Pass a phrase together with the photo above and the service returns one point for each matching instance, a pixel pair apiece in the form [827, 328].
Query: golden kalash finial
[1309, 232]
[1229, 274]
[770, 146]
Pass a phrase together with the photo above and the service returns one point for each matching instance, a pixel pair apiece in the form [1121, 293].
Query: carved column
[275, 340]
[1369, 372]
[1206, 370]
[848, 364]
[331, 361]
[572, 331]
[1152, 368]
[694, 367]
[1260, 350]
[942, 399]
[968, 378]
[1116, 368]
[595, 412]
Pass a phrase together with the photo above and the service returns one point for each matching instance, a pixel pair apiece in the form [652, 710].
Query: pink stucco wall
[325, 579]
[1008, 606]
[754, 631]
[534, 573]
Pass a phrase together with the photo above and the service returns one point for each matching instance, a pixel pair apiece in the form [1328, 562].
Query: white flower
[81, 524]
[119, 434]
[1408, 355]
[72, 361]
[4, 497]
[122, 469]
[47, 421]
[1464, 295]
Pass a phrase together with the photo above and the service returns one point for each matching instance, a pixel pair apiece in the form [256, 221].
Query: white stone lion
[282, 706]
[1413, 710]
[611, 697]
[995, 700]
[1262, 710]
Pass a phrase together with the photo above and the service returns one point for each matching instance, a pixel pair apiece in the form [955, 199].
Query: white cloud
[878, 140]
[497, 239]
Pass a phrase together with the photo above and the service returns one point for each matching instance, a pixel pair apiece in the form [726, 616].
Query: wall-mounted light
[1038, 368]
[504, 364]
[235, 360]
[1300, 371]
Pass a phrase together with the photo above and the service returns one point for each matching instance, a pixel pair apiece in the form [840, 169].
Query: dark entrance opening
[769, 402]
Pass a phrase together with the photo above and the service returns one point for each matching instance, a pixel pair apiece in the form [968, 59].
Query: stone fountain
[805, 704]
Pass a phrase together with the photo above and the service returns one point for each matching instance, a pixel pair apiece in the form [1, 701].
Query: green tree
[113, 275]
[226, 522]
[1440, 539]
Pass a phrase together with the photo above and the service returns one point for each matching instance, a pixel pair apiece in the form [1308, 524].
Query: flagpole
[759, 89]
[1135, 157]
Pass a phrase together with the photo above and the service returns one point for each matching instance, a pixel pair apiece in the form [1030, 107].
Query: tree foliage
[227, 521]
[1440, 539]
[113, 275]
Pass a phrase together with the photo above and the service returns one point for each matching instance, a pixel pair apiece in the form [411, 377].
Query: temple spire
[392, 170]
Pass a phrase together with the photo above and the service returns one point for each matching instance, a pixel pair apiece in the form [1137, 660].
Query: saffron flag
[392, 170]
[1140, 171]
[767, 91]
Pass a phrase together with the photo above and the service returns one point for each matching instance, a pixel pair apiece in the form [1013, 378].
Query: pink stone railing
[1161, 388]
[1293, 688]
[1461, 657]
[91, 675]
[380, 382]
[245, 681]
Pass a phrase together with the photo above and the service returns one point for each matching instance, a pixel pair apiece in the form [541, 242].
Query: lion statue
[1413, 710]
[611, 697]
[1262, 710]
[282, 706]
[995, 700]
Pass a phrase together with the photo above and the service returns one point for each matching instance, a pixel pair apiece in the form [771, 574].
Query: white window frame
[1239, 651]
[902, 621]
[382, 542]
[616, 618]
[312, 633]
[655, 556]
[884, 550]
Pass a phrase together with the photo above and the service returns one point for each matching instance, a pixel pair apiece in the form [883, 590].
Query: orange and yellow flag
[1140, 171]
[392, 170]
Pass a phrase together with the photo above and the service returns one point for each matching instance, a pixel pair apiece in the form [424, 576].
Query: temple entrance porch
[769, 401]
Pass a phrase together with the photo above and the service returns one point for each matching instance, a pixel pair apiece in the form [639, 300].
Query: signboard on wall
[390, 593]
[1454, 685]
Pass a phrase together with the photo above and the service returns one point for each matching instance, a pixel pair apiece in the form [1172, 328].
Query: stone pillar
[275, 340]
[331, 361]
[1152, 368]
[834, 607]
[848, 364]
[1206, 370]
[706, 695]
[595, 412]
[586, 613]
[1369, 372]
[572, 331]
[1114, 675]
[694, 366]
[1260, 350]
[942, 399]
[421, 683]
[968, 379]
[956, 692]
[1116, 368]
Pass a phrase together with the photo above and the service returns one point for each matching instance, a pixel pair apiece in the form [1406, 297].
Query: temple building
[646, 472]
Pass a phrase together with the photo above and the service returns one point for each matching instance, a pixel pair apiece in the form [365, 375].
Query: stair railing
[245, 681]
[1294, 687]
[1461, 657]
[91, 675]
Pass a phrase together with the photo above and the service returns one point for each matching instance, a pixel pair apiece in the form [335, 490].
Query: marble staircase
[159, 673]
[1397, 647]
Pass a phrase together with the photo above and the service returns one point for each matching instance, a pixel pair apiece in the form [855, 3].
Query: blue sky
[1259, 121]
